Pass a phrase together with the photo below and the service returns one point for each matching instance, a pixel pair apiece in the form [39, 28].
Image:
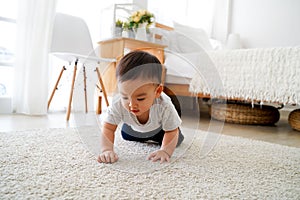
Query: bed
[255, 76]
[262, 74]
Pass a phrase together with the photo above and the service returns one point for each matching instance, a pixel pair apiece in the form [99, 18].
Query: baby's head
[139, 65]
[139, 76]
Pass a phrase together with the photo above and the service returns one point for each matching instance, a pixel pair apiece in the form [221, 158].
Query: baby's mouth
[134, 110]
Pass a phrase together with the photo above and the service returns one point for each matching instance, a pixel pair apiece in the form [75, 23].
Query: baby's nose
[131, 103]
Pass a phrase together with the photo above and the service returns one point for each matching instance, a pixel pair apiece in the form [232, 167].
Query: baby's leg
[180, 138]
[157, 135]
[129, 134]
[160, 136]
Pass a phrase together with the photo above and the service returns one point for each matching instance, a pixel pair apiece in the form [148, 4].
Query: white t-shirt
[162, 114]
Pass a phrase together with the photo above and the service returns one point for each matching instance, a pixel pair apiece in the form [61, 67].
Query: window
[8, 14]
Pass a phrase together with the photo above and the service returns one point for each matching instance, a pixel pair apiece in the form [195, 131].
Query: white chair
[71, 41]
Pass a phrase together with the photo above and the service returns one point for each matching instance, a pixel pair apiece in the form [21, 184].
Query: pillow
[180, 43]
[198, 35]
[178, 65]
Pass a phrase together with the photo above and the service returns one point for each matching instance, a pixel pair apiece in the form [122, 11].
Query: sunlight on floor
[281, 133]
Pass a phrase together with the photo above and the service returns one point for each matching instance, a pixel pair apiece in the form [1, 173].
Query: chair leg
[102, 86]
[99, 107]
[71, 92]
[55, 87]
[85, 93]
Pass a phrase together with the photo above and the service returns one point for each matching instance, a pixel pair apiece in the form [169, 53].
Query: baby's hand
[108, 157]
[159, 155]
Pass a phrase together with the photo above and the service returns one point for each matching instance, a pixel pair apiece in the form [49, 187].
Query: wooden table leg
[102, 86]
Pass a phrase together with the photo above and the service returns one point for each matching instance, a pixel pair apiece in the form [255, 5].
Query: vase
[118, 31]
[125, 33]
[141, 33]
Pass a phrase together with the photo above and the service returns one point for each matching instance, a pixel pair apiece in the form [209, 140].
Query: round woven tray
[245, 113]
[294, 119]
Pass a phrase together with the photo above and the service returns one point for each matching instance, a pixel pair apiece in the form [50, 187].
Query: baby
[146, 112]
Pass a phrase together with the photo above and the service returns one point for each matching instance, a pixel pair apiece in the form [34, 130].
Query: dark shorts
[155, 136]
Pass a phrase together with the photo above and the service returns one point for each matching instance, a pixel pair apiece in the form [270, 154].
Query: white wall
[266, 23]
[141, 3]
[194, 13]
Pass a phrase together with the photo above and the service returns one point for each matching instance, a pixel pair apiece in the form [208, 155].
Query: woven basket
[240, 113]
[294, 119]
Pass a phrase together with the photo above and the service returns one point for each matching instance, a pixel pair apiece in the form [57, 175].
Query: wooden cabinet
[117, 48]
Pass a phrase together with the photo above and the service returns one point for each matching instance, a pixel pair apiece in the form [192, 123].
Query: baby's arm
[167, 148]
[107, 144]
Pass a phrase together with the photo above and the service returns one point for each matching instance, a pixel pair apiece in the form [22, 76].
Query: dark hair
[139, 64]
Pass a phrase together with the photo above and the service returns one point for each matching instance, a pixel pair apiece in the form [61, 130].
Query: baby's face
[138, 96]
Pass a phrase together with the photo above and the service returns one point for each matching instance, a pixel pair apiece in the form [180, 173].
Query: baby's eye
[141, 99]
[125, 98]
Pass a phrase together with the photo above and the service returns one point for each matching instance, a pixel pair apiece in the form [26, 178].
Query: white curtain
[34, 28]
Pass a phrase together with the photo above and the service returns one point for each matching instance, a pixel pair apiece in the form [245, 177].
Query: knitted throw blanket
[267, 75]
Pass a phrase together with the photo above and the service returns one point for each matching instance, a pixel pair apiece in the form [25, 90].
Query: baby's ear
[159, 90]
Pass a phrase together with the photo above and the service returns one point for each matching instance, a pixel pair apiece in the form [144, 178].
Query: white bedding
[179, 69]
[267, 75]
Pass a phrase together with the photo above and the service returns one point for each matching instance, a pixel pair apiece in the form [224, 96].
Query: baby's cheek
[146, 105]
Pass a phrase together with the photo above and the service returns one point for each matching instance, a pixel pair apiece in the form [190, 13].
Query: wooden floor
[281, 133]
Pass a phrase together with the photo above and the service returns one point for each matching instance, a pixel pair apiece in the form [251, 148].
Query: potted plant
[141, 18]
[125, 27]
[140, 21]
[118, 28]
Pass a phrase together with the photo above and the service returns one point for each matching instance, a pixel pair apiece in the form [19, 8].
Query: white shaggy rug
[55, 164]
